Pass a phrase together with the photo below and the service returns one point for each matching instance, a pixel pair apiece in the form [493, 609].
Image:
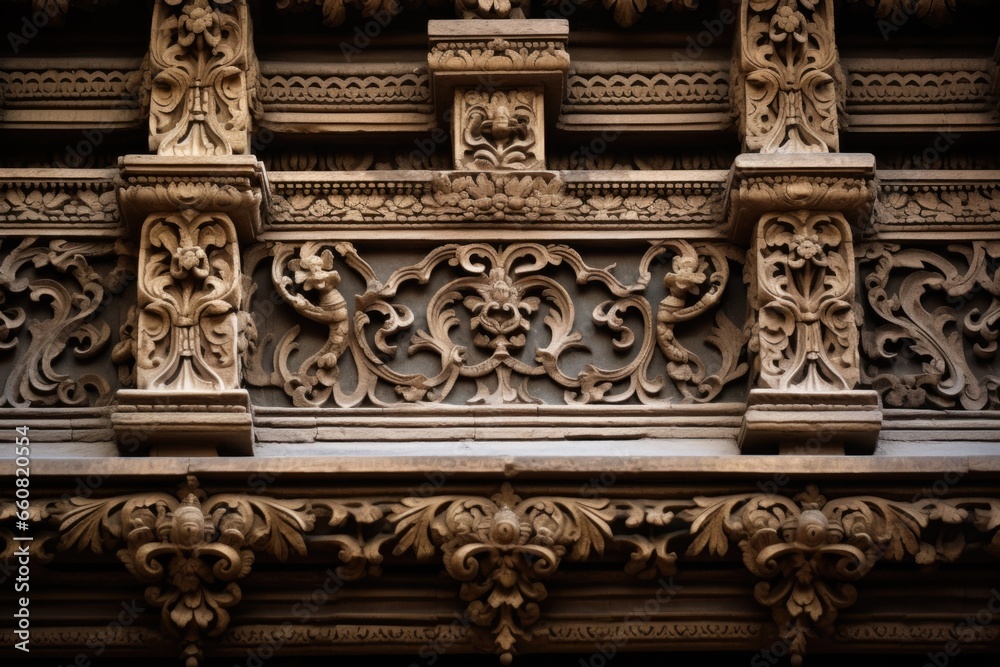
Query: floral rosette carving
[501, 548]
[695, 284]
[190, 549]
[504, 293]
[950, 345]
[807, 335]
[806, 550]
[203, 78]
[189, 292]
[790, 83]
[75, 304]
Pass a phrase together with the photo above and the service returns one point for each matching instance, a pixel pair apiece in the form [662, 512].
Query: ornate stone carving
[806, 333]
[788, 82]
[499, 55]
[922, 204]
[505, 296]
[204, 78]
[503, 548]
[586, 89]
[189, 292]
[192, 549]
[359, 92]
[298, 203]
[807, 551]
[76, 310]
[499, 130]
[924, 352]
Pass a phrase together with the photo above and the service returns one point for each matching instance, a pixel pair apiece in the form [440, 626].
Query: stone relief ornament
[76, 296]
[933, 342]
[806, 551]
[204, 78]
[500, 320]
[504, 547]
[788, 82]
[189, 292]
[492, 9]
[806, 334]
[499, 130]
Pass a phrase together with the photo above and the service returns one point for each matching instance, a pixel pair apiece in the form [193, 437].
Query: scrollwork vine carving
[925, 353]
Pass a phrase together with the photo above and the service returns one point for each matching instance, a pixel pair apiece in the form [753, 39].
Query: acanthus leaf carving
[502, 549]
[189, 292]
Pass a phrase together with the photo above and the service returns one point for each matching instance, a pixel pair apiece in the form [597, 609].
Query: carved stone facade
[483, 330]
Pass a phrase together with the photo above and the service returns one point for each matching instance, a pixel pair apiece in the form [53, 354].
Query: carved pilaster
[798, 212]
[789, 82]
[495, 82]
[189, 217]
[204, 78]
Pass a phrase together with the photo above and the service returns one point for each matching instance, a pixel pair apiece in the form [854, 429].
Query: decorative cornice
[809, 554]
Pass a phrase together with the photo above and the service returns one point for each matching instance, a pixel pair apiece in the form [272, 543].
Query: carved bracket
[204, 78]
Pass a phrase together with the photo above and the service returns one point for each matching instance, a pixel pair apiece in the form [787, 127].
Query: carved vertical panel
[499, 130]
[807, 335]
[204, 78]
[789, 80]
[189, 293]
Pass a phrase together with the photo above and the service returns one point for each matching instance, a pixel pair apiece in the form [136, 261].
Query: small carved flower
[187, 261]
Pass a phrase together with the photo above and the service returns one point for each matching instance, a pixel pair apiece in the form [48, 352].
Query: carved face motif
[189, 527]
[498, 310]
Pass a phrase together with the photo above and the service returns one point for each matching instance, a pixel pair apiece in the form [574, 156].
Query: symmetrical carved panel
[501, 324]
[499, 130]
[76, 297]
[932, 337]
[204, 78]
[789, 81]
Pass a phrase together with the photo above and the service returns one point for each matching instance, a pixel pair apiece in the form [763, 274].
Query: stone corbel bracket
[799, 213]
[190, 215]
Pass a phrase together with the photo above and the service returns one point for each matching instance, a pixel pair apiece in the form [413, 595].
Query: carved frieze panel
[932, 324]
[589, 87]
[61, 303]
[789, 82]
[493, 325]
[204, 78]
[363, 91]
[51, 201]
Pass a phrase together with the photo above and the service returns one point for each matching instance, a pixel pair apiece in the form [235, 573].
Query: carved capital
[204, 78]
[789, 82]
